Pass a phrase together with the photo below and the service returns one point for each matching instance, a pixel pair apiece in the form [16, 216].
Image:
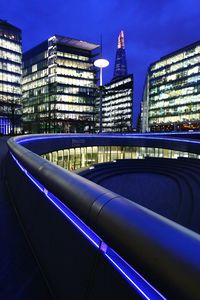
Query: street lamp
[101, 63]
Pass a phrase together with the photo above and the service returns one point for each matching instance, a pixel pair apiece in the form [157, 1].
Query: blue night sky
[152, 28]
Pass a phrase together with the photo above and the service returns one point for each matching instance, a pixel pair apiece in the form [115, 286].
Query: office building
[10, 78]
[117, 101]
[172, 97]
[59, 84]
[117, 105]
[145, 106]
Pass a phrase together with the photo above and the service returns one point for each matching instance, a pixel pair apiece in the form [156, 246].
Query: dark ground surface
[20, 276]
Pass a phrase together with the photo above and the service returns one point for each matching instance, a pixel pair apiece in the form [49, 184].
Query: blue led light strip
[24, 140]
[144, 288]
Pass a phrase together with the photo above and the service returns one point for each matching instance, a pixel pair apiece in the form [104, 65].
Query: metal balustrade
[157, 257]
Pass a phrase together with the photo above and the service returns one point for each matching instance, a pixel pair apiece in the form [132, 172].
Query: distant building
[120, 69]
[138, 121]
[10, 78]
[117, 103]
[59, 84]
[145, 106]
[172, 100]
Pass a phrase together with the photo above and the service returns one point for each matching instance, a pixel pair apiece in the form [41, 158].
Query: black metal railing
[129, 236]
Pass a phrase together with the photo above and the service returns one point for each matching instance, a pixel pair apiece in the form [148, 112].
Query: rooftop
[5, 24]
[185, 48]
[76, 43]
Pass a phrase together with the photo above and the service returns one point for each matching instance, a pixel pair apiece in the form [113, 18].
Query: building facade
[172, 100]
[145, 106]
[117, 105]
[10, 78]
[120, 69]
[59, 84]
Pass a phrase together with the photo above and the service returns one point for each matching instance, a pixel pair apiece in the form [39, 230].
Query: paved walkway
[20, 276]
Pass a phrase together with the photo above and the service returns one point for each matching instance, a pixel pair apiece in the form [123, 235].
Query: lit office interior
[174, 91]
[75, 158]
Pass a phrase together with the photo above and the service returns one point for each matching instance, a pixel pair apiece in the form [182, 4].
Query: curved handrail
[155, 246]
[41, 144]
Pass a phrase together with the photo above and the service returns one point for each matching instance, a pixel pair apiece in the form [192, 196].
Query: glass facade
[117, 103]
[174, 91]
[10, 78]
[76, 158]
[120, 69]
[59, 84]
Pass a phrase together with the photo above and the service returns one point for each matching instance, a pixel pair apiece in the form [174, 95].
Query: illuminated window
[34, 68]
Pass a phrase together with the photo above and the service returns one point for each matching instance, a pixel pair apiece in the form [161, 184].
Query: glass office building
[10, 78]
[59, 84]
[117, 105]
[120, 69]
[172, 102]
